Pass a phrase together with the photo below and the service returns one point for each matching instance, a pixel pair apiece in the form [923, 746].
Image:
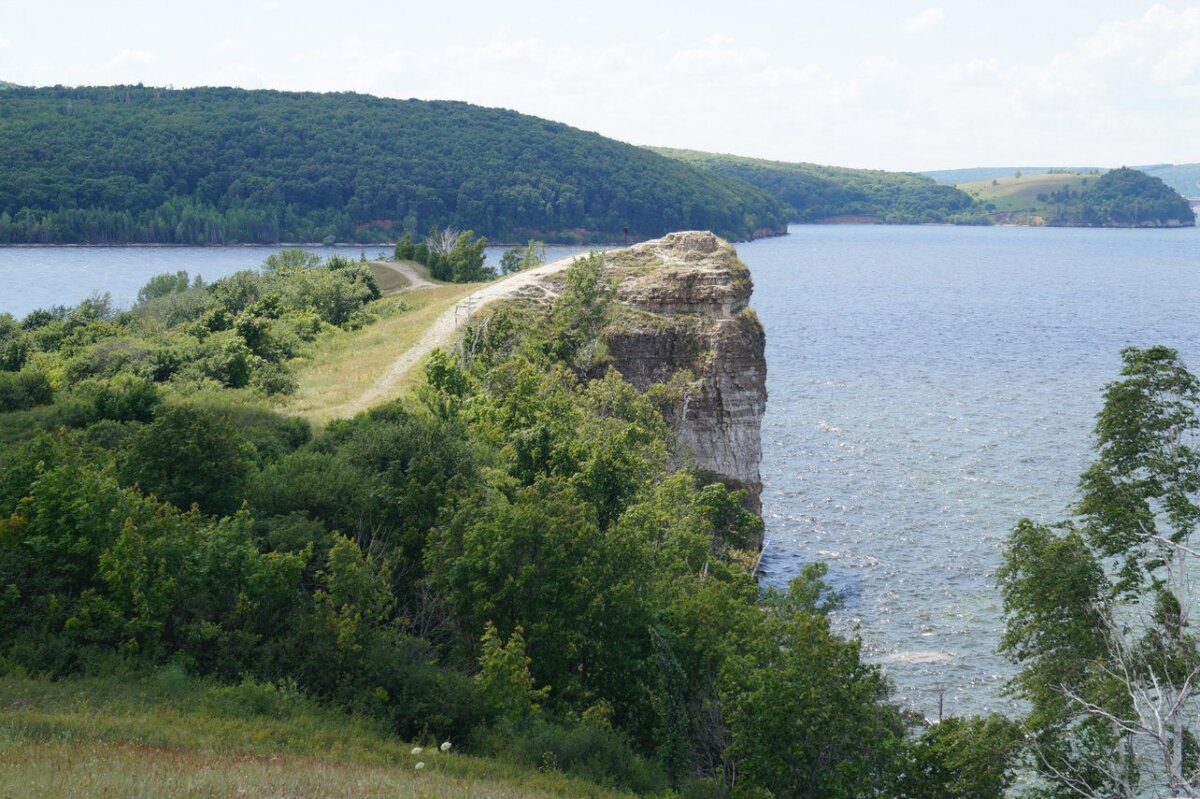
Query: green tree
[1100, 613]
[504, 675]
[188, 455]
[805, 714]
[518, 259]
[582, 310]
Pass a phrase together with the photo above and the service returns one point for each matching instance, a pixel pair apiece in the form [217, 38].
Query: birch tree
[1099, 609]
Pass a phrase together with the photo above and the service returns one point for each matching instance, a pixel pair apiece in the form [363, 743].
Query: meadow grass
[341, 366]
[170, 735]
[1020, 194]
[389, 280]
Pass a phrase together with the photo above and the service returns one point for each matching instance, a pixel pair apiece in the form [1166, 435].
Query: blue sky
[892, 85]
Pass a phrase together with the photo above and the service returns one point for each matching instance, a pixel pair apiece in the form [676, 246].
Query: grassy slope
[341, 367]
[1183, 178]
[1020, 194]
[170, 735]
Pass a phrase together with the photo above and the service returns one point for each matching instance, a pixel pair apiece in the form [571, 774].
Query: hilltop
[815, 193]
[1183, 178]
[220, 165]
[1120, 198]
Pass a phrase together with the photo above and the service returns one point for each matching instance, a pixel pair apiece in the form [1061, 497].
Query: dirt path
[406, 270]
[444, 328]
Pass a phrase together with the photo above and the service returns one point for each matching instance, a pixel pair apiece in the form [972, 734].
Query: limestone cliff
[684, 307]
[682, 313]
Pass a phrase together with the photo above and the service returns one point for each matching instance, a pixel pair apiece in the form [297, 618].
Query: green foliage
[504, 676]
[805, 713]
[526, 492]
[582, 310]
[588, 749]
[961, 759]
[24, 389]
[188, 456]
[221, 166]
[1098, 614]
[453, 256]
[518, 259]
[813, 192]
[1129, 197]
[165, 284]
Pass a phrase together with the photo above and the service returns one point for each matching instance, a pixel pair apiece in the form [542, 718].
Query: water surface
[929, 386]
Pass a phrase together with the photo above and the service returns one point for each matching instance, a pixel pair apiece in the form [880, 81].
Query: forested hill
[1119, 198]
[220, 165]
[1183, 178]
[813, 192]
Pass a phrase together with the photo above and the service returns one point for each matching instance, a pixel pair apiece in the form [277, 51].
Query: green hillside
[1183, 178]
[813, 192]
[1119, 198]
[220, 165]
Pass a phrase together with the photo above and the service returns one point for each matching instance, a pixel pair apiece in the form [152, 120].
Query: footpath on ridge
[443, 329]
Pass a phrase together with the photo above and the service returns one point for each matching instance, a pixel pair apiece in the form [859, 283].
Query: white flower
[445, 747]
[420, 766]
[416, 750]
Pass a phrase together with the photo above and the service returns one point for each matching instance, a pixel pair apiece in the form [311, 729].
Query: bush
[24, 389]
[589, 749]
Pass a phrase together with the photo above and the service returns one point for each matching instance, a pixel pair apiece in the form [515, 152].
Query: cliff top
[686, 272]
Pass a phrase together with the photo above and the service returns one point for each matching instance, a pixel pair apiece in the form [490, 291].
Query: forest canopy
[221, 166]
[813, 192]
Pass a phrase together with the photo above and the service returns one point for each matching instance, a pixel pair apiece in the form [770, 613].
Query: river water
[929, 386]
[39, 277]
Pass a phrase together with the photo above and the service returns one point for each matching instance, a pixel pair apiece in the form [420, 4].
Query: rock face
[684, 307]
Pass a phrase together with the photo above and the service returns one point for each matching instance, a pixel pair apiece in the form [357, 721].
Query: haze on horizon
[891, 85]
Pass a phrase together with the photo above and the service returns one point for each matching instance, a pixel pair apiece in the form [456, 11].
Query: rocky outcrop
[684, 308]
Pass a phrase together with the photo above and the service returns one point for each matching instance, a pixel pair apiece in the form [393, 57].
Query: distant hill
[1118, 198]
[1183, 178]
[814, 193]
[219, 165]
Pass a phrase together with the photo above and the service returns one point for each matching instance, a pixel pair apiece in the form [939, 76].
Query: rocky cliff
[683, 307]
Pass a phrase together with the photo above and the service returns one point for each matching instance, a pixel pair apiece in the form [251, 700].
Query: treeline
[507, 560]
[813, 192]
[217, 166]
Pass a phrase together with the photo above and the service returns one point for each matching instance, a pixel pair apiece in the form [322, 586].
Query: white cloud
[132, 58]
[927, 20]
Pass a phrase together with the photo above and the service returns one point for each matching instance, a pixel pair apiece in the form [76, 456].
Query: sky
[864, 83]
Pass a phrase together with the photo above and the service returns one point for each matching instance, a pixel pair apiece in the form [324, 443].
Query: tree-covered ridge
[222, 165]
[813, 192]
[1128, 197]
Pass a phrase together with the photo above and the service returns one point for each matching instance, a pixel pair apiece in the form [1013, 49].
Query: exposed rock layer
[684, 307]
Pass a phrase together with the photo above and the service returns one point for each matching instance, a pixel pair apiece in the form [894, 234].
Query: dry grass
[171, 736]
[1020, 194]
[341, 367]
